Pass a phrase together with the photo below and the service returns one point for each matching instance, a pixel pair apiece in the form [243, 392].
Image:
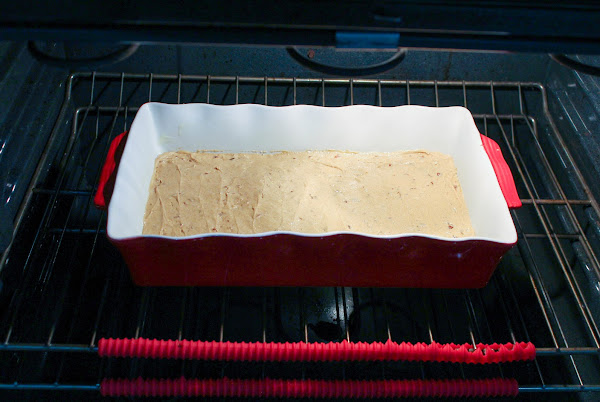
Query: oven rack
[64, 286]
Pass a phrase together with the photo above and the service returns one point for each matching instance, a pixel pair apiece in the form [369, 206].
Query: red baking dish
[295, 259]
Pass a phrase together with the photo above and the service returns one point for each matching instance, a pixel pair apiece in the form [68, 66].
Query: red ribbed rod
[226, 387]
[300, 351]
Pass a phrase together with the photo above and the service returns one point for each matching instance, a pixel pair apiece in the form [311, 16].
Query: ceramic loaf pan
[296, 259]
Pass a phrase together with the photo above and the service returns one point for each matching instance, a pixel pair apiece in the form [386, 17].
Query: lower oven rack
[64, 286]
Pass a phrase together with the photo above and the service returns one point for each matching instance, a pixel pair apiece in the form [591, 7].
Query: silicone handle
[300, 351]
[226, 387]
[503, 174]
[109, 171]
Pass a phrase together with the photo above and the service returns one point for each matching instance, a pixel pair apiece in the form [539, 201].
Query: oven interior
[64, 286]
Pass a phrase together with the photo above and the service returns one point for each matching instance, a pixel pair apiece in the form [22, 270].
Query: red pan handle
[503, 174]
[275, 388]
[301, 351]
[109, 171]
[108, 174]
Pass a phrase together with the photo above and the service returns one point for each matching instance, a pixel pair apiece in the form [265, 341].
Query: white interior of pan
[159, 128]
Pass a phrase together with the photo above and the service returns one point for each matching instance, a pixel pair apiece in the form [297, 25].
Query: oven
[72, 79]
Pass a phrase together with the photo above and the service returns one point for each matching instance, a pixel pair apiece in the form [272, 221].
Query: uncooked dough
[378, 193]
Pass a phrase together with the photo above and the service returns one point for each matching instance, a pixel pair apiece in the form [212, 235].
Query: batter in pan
[378, 193]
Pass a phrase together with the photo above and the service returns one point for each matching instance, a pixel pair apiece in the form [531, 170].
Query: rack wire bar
[79, 348]
[84, 193]
[49, 387]
[96, 387]
[70, 288]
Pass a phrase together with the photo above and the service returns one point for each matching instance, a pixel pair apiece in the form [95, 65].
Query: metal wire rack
[64, 286]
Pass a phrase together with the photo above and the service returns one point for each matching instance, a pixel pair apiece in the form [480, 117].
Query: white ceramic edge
[119, 183]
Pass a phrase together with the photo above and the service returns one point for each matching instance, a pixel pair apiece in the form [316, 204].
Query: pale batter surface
[383, 193]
